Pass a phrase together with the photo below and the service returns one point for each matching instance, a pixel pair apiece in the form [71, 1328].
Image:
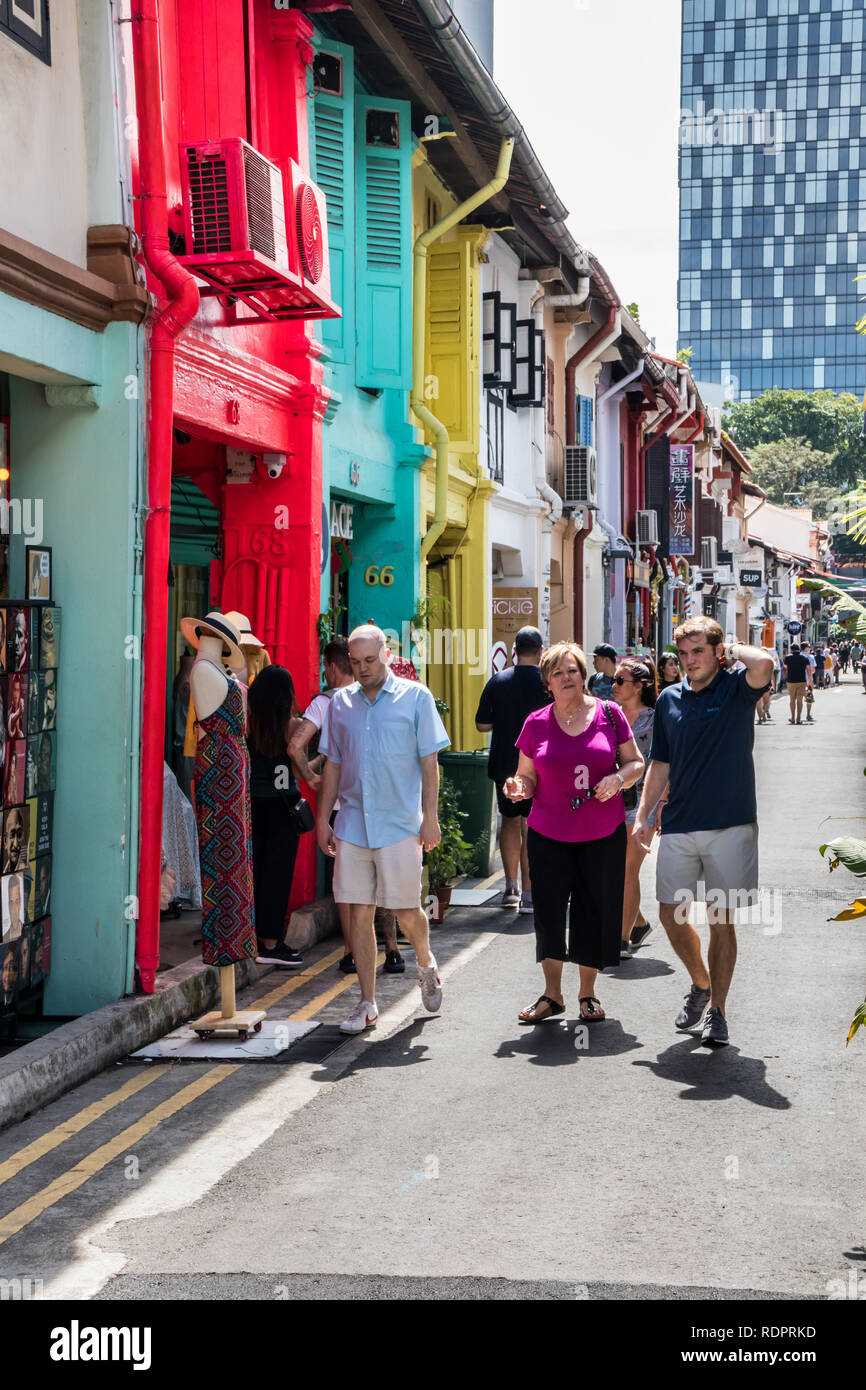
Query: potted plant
[453, 855]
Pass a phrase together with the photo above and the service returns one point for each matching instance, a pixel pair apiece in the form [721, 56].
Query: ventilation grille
[209, 203]
[383, 213]
[329, 160]
[260, 207]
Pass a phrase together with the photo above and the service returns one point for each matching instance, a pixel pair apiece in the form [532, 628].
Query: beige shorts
[386, 877]
[724, 861]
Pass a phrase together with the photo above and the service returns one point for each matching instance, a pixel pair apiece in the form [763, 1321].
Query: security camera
[274, 464]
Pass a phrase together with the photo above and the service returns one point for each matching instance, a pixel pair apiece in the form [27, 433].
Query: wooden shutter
[453, 340]
[383, 262]
[333, 162]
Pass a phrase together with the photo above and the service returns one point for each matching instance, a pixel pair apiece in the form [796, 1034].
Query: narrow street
[462, 1155]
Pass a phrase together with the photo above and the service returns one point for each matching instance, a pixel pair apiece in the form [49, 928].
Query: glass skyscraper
[773, 193]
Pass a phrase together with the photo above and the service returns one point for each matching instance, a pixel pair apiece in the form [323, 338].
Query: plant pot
[443, 898]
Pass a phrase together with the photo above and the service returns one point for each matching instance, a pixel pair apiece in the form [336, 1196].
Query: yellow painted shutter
[453, 340]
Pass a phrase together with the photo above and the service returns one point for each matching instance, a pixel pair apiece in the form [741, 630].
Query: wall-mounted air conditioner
[254, 235]
[647, 527]
[581, 482]
[709, 552]
[774, 605]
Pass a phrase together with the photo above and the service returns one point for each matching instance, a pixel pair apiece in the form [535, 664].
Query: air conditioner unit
[581, 483]
[647, 527]
[775, 590]
[774, 605]
[253, 234]
[709, 552]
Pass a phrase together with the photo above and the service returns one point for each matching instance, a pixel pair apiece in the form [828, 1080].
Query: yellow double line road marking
[55, 1137]
[327, 995]
[77, 1176]
[303, 977]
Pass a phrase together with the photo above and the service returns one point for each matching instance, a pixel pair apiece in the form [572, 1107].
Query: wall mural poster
[4, 618]
[13, 910]
[48, 699]
[17, 639]
[37, 953]
[29, 894]
[14, 777]
[682, 500]
[43, 823]
[16, 840]
[16, 709]
[46, 763]
[34, 713]
[35, 628]
[11, 953]
[42, 904]
[49, 647]
[46, 946]
[25, 949]
[33, 808]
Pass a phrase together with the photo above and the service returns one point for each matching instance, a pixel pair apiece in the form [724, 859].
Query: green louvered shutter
[333, 162]
[383, 263]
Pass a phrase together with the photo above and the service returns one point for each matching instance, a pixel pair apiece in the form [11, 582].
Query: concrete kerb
[40, 1071]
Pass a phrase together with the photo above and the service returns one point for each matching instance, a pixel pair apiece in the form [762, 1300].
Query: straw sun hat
[216, 625]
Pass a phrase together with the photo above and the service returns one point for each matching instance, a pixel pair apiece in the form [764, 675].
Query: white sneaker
[526, 908]
[430, 986]
[364, 1015]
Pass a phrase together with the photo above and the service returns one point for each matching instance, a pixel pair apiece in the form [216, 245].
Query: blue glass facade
[772, 167]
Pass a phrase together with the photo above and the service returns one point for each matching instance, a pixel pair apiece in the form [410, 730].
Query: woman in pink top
[576, 756]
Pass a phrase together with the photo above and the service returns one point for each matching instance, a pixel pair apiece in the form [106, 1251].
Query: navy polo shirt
[707, 737]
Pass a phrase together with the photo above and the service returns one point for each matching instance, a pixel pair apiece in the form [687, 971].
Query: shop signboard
[512, 610]
[682, 500]
[751, 579]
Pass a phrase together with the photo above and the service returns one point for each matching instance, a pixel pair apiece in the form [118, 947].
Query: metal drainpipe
[580, 535]
[173, 318]
[419, 323]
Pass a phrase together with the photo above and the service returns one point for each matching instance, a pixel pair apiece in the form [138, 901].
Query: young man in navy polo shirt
[703, 735]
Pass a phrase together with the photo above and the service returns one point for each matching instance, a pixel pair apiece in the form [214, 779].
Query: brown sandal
[528, 1015]
[594, 1014]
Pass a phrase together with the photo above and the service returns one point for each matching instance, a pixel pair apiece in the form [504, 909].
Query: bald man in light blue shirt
[381, 742]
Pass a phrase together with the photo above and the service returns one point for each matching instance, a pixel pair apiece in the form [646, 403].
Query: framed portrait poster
[37, 567]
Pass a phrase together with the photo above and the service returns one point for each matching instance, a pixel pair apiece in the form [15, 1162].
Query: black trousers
[577, 891]
[275, 848]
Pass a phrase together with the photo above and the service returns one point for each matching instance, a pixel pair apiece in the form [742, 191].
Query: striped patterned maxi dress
[222, 812]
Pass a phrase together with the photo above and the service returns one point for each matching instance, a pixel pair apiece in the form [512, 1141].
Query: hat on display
[216, 625]
[242, 623]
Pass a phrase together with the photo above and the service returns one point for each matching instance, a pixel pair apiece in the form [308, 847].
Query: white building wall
[44, 199]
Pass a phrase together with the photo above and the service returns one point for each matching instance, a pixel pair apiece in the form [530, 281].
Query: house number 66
[374, 575]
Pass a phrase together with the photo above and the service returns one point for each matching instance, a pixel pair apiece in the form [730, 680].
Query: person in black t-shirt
[506, 701]
[798, 670]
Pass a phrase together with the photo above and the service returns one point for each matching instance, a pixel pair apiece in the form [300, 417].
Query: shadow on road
[560, 1043]
[715, 1074]
[643, 968]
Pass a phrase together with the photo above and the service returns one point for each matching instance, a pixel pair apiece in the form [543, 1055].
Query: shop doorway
[195, 535]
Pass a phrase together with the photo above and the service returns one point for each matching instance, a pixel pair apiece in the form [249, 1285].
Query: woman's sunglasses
[623, 680]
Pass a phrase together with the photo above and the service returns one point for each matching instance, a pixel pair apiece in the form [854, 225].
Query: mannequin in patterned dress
[222, 803]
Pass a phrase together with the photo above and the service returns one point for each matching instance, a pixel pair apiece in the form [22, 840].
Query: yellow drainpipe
[419, 320]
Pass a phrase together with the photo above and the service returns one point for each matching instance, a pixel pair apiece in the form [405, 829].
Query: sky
[595, 85]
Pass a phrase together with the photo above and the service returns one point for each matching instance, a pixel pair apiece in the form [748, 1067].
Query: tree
[634, 310]
[793, 473]
[685, 355]
[828, 422]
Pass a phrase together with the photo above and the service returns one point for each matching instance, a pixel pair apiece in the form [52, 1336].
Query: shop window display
[29, 659]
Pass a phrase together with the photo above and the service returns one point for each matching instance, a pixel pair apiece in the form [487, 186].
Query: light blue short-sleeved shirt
[379, 747]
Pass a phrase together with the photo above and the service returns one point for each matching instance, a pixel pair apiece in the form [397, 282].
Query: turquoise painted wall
[361, 151]
[82, 463]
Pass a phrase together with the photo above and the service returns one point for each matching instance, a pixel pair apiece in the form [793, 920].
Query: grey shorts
[717, 861]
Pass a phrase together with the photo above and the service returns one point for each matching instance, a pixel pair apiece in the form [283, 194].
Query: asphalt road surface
[463, 1156]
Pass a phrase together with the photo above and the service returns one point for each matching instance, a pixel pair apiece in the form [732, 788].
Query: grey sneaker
[511, 897]
[693, 1008]
[526, 908]
[715, 1031]
[431, 986]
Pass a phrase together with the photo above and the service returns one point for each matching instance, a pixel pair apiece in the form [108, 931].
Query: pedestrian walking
[763, 706]
[635, 691]
[278, 811]
[703, 735]
[837, 664]
[817, 674]
[381, 745]
[337, 670]
[604, 662]
[855, 653]
[863, 668]
[844, 656]
[506, 701]
[576, 757]
[799, 677]
[670, 671]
